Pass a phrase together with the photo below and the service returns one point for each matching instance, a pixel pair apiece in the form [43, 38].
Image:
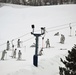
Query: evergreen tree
[69, 62]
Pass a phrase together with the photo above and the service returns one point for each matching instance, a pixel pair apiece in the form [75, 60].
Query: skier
[8, 45]
[3, 54]
[62, 39]
[18, 43]
[12, 44]
[12, 47]
[14, 53]
[40, 52]
[47, 43]
[19, 55]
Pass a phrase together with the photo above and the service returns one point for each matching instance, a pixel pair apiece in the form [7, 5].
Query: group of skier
[18, 44]
[62, 40]
[14, 52]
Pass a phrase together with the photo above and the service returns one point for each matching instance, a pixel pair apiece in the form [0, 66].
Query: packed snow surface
[15, 23]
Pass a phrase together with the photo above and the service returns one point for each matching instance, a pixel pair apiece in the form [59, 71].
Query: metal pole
[35, 57]
[36, 51]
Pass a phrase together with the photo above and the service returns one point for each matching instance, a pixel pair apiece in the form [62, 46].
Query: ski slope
[15, 23]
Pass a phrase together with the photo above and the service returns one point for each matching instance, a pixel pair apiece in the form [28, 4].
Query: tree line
[39, 2]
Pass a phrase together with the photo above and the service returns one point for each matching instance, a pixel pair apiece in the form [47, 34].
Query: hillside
[15, 23]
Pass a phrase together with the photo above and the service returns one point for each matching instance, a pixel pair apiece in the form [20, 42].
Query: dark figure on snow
[18, 43]
[8, 45]
[40, 52]
[47, 43]
[70, 29]
[19, 55]
[3, 55]
[14, 53]
[12, 44]
[56, 34]
[62, 39]
[33, 45]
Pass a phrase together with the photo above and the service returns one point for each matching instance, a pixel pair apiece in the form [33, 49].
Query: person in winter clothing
[3, 54]
[47, 43]
[12, 43]
[19, 55]
[8, 45]
[14, 53]
[62, 39]
[40, 52]
[18, 43]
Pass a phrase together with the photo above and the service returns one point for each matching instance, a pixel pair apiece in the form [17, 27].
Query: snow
[16, 21]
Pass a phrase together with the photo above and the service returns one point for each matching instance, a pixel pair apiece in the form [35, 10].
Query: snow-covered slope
[16, 23]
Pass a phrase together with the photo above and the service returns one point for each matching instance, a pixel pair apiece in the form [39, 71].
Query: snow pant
[47, 45]
[62, 41]
[19, 57]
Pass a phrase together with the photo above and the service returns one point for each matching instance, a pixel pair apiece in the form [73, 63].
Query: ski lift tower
[35, 57]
